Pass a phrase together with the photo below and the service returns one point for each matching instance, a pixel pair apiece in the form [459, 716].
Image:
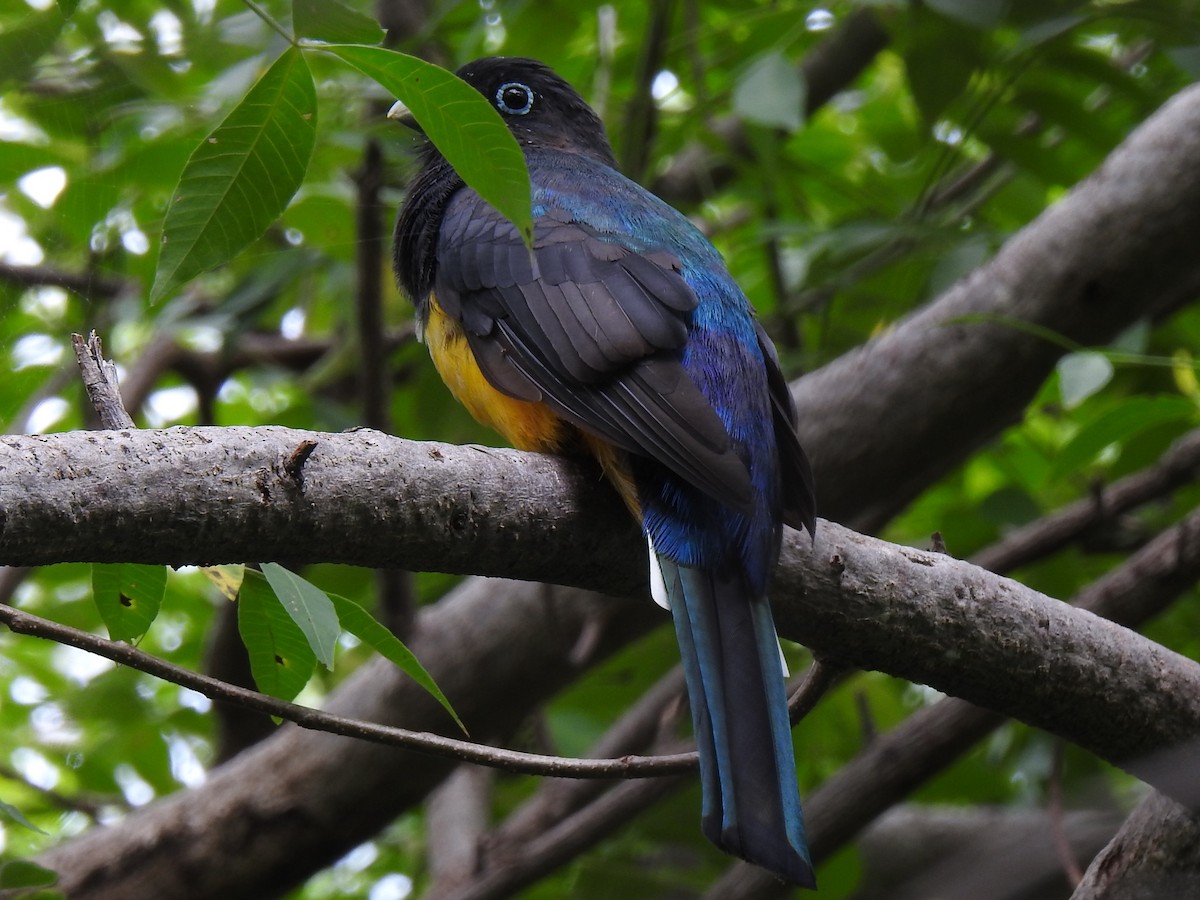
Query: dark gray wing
[798, 488]
[590, 328]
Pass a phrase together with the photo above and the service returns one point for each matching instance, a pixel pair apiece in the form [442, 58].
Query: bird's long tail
[731, 662]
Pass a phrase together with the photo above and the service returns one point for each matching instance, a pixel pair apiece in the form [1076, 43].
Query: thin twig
[465, 751]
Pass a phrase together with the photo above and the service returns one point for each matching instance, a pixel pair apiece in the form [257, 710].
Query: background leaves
[971, 121]
[241, 177]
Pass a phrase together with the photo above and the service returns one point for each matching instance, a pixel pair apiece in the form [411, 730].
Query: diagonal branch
[1178, 466]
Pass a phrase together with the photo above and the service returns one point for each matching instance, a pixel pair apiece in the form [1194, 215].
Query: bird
[622, 335]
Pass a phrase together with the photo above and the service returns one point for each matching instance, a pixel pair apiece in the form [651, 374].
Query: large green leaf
[364, 626]
[309, 607]
[128, 596]
[18, 874]
[771, 93]
[333, 22]
[1082, 374]
[940, 59]
[1120, 424]
[281, 659]
[461, 123]
[241, 177]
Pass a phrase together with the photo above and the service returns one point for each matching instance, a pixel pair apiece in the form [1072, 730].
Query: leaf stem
[271, 23]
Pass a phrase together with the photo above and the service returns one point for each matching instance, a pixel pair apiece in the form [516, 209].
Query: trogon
[622, 335]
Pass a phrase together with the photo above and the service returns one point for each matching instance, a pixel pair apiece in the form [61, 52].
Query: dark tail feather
[739, 712]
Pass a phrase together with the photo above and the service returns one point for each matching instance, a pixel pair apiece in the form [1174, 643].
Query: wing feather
[591, 328]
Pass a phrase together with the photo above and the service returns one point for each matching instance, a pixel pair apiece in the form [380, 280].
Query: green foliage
[20, 874]
[973, 120]
[771, 93]
[468, 132]
[334, 23]
[358, 622]
[128, 597]
[309, 608]
[17, 816]
[241, 177]
[281, 658]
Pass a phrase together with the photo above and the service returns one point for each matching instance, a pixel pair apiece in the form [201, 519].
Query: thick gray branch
[210, 495]
[1156, 854]
[374, 500]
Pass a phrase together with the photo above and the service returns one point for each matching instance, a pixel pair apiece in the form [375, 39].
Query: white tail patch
[783, 662]
[658, 585]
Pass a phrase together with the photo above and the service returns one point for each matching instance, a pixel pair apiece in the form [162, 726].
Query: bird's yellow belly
[525, 425]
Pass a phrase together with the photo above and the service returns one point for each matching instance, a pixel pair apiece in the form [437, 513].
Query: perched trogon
[622, 335]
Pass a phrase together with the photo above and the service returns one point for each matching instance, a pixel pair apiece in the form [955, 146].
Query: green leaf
[363, 626]
[17, 816]
[128, 597]
[771, 93]
[21, 873]
[241, 177]
[68, 7]
[1082, 374]
[21, 47]
[330, 21]
[281, 659]
[1120, 424]
[309, 607]
[461, 123]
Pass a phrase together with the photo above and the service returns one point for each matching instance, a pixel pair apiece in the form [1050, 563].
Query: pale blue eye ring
[514, 98]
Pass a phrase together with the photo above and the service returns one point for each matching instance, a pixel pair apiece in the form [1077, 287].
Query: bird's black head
[539, 107]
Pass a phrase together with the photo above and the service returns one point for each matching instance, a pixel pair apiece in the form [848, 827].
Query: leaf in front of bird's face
[460, 122]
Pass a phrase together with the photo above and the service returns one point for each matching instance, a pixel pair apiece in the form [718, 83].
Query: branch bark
[861, 601]
[1155, 854]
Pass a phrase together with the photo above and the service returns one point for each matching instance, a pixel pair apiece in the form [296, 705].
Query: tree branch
[628, 766]
[368, 499]
[86, 284]
[100, 379]
[1155, 854]
[1178, 466]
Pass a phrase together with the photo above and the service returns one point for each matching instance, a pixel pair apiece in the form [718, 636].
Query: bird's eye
[514, 98]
